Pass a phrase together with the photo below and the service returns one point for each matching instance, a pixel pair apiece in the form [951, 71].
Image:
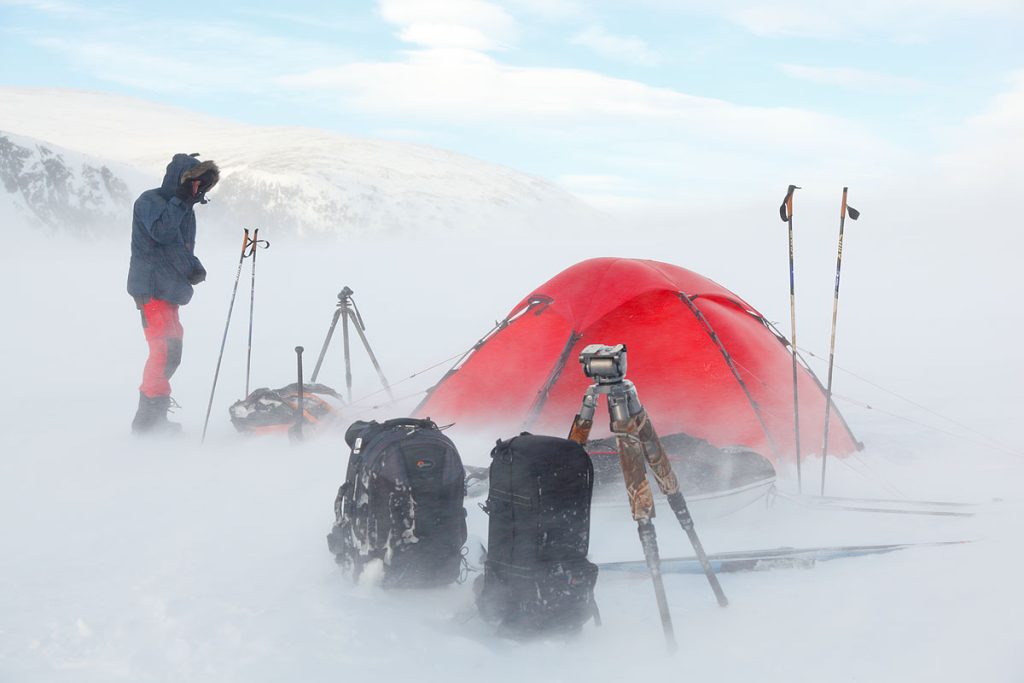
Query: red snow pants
[164, 335]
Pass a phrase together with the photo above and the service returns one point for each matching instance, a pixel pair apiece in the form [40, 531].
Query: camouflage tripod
[638, 444]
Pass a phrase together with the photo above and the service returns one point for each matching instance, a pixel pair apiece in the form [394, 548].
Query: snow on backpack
[537, 578]
[401, 503]
[266, 411]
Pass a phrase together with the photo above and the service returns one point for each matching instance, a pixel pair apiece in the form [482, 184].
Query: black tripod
[346, 309]
[638, 443]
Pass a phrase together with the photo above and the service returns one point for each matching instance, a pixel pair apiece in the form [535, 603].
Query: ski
[761, 560]
[883, 505]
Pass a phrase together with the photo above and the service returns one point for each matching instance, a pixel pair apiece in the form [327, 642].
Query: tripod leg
[649, 541]
[323, 349]
[584, 421]
[661, 467]
[348, 355]
[634, 473]
[373, 359]
[580, 431]
[641, 503]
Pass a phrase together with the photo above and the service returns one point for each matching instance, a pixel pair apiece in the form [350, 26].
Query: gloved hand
[198, 274]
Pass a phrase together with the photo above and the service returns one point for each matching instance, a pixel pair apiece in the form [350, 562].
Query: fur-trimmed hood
[184, 167]
[172, 178]
[207, 170]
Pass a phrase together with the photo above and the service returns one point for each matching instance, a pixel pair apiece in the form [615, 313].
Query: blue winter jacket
[163, 241]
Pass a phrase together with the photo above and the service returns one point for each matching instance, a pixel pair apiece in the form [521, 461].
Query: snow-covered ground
[127, 560]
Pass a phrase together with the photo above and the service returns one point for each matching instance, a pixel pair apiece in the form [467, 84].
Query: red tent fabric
[704, 362]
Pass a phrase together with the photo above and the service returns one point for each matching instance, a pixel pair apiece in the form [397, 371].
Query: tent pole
[786, 213]
[854, 215]
[733, 369]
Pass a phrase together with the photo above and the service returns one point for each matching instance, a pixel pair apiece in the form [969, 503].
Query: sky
[623, 103]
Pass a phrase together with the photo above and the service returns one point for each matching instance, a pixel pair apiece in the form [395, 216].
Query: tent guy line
[868, 406]
[992, 443]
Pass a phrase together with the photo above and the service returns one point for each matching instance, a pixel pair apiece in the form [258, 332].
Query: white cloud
[789, 21]
[987, 151]
[583, 123]
[606, 192]
[549, 9]
[242, 61]
[849, 77]
[55, 7]
[625, 48]
[900, 20]
[460, 24]
[461, 85]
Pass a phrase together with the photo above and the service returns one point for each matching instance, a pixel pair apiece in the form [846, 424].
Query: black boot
[151, 417]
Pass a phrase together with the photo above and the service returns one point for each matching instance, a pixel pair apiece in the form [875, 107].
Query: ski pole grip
[786, 209]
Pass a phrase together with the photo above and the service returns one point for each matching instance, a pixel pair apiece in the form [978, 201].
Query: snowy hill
[50, 188]
[294, 179]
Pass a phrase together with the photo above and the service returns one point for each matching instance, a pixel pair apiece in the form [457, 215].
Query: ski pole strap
[786, 209]
[251, 244]
[848, 210]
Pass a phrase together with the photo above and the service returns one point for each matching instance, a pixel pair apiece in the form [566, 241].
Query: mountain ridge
[51, 188]
[296, 179]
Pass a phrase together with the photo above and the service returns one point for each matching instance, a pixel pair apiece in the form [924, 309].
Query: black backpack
[537, 578]
[401, 503]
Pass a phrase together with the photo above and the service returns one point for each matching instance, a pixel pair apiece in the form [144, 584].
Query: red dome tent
[704, 362]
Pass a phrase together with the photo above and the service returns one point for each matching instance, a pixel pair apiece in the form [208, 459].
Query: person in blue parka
[163, 270]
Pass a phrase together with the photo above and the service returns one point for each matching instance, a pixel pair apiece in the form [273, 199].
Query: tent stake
[786, 213]
[854, 215]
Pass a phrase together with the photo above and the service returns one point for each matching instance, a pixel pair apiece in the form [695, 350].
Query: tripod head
[604, 364]
[345, 301]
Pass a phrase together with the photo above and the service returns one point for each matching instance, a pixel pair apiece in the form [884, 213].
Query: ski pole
[256, 243]
[300, 414]
[216, 373]
[786, 213]
[854, 215]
